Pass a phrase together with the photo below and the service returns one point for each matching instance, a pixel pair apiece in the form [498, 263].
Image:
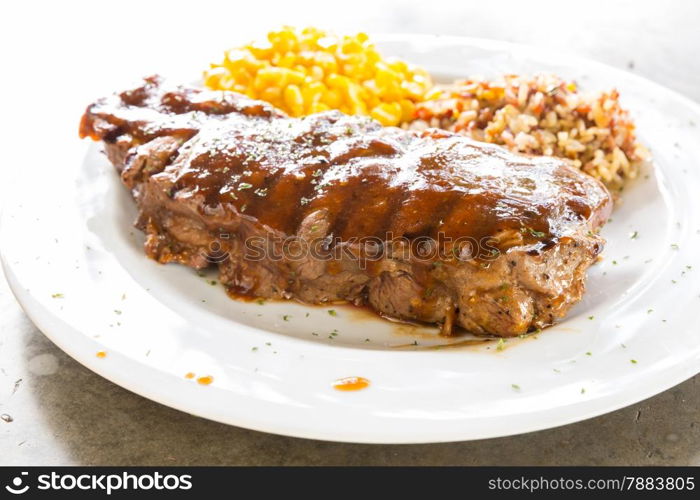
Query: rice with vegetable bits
[542, 115]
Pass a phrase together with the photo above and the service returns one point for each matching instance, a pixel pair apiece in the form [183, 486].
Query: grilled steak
[424, 226]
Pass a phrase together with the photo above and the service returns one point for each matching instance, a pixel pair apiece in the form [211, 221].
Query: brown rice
[541, 115]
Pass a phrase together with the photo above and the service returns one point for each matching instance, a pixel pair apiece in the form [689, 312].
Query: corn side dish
[308, 71]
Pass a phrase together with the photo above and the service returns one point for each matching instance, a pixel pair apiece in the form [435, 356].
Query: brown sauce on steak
[468, 234]
[372, 181]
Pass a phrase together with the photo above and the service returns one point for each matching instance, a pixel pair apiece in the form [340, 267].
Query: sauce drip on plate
[351, 384]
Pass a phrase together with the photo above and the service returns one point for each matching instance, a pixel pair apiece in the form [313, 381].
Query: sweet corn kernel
[293, 99]
[387, 113]
[408, 108]
[212, 78]
[318, 107]
[272, 94]
[310, 71]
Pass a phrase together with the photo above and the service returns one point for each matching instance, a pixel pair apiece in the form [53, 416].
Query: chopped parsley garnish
[56, 295]
[515, 386]
[536, 234]
[245, 185]
[332, 312]
[501, 344]
[634, 235]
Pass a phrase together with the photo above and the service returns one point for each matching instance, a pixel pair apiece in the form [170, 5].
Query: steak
[423, 226]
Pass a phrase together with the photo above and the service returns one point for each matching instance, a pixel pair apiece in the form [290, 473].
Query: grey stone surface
[56, 412]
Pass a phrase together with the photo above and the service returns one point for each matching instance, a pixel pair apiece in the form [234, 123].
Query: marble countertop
[56, 412]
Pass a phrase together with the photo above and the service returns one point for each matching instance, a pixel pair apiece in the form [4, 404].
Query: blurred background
[92, 42]
[59, 56]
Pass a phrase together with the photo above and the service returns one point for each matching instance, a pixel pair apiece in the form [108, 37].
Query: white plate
[68, 232]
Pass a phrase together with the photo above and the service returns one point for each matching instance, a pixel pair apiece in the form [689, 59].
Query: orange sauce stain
[189, 375]
[351, 384]
[101, 354]
[206, 380]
